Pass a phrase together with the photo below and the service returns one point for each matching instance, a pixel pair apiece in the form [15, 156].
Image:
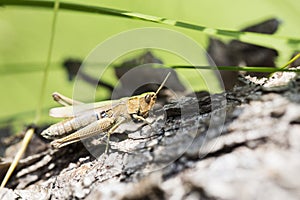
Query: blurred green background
[25, 35]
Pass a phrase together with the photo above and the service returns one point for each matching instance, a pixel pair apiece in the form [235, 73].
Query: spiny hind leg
[99, 126]
[63, 100]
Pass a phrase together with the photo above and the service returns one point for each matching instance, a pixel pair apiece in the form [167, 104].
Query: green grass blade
[271, 41]
[237, 68]
[290, 61]
[47, 66]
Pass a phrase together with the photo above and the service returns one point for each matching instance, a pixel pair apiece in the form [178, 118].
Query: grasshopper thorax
[141, 104]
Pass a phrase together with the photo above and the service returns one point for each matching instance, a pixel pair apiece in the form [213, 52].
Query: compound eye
[148, 98]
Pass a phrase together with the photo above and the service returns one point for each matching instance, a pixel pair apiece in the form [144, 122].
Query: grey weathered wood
[255, 157]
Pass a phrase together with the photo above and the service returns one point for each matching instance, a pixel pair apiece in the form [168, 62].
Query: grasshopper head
[142, 104]
[147, 101]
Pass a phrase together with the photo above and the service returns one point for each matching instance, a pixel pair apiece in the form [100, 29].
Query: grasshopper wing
[73, 111]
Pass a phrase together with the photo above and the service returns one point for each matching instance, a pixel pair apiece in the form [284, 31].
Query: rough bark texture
[250, 151]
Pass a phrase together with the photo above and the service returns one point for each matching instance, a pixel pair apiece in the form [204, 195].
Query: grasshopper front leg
[111, 130]
[137, 117]
[99, 126]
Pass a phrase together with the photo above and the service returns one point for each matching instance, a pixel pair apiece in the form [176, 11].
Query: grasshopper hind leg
[100, 126]
[63, 100]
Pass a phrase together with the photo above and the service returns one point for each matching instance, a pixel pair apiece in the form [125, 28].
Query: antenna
[162, 84]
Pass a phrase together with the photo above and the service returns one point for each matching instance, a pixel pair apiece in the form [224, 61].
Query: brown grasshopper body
[105, 117]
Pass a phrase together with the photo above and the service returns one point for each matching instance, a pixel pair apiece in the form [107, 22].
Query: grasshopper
[103, 117]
